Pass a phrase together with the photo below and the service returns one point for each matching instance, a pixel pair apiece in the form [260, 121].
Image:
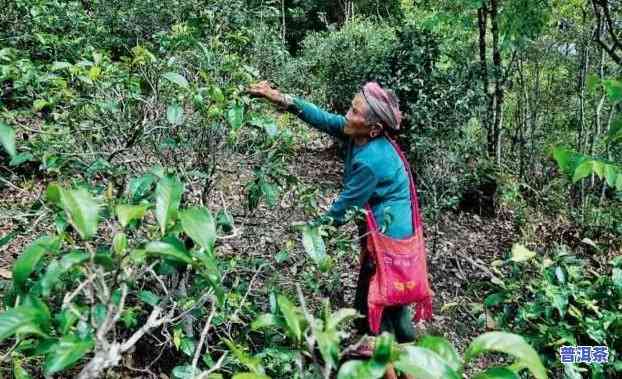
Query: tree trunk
[494, 145]
[482, 21]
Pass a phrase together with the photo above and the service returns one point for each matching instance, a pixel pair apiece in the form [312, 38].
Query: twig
[480, 266]
[216, 366]
[248, 290]
[197, 352]
[69, 297]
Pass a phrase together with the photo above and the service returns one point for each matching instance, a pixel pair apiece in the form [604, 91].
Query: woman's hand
[263, 89]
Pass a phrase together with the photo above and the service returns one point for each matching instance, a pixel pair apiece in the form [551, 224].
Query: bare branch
[208, 323]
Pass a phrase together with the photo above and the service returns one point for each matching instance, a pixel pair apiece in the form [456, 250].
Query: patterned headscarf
[384, 104]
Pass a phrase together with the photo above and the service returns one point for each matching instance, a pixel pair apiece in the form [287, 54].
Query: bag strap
[414, 200]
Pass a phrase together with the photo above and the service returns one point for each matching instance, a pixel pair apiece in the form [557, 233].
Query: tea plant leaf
[235, 116]
[266, 320]
[444, 349]
[149, 297]
[21, 158]
[252, 363]
[291, 317]
[119, 243]
[340, 316]
[424, 364]
[613, 89]
[139, 187]
[383, 348]
[498, 373]
[128, 213]
[314, 245]
[176, 78]
[19, 372]
[199, 225]
[82, 210]
[250, 375]
[175, 114]
[66, 352]
[27, 262]
[360, 370]
[168, 197]
[58, 267]
[7, 139]
[521, 254]
[168, 250]
[583, 170]
[21, 320]
[508, 343]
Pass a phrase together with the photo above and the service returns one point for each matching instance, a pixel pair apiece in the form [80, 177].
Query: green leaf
[267, 124]
[66, 352]
[599, 168]
[19, 372]
[66, 319]
[583, 170]
[360, 370]
[291, 317]
[619, 182]
[119, 243]
[168, 197]
[185, 372]
[58, 267]
[27, 262]
[328, 343]
[271, 192]
[235, 117]
[82, 211]
[508, 343]
[611, 174]
[139, 187]
[176, 78]
[199, 225]
[498, 373]
[7, 139]
[613, 89]
[266, 320]
[444, 349]
[58, 66]
[314, 246]
[21, 158]
[616, 277]
[340, 316]
[175, 114]
[424, 364]
[521, 254]
[250, 375]
[224, 220]
[615, 130]
[129, 213]
[383, 348]
[21, 320]
[188, 346]
[252, 363]
[149, 297]
[216, 94]
[168, 250]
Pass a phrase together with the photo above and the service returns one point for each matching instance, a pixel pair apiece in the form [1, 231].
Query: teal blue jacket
[373, 173]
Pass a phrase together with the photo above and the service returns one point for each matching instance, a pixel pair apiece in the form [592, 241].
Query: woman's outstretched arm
[327, 122]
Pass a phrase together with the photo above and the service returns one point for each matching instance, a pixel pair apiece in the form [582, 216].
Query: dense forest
[155, 218]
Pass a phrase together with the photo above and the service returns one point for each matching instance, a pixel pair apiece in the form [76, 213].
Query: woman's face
[356, 124]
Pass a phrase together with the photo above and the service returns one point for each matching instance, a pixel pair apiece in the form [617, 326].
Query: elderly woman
[374, 174]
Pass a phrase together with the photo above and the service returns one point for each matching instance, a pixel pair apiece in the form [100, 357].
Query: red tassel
[423, 309]
[374, 315]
